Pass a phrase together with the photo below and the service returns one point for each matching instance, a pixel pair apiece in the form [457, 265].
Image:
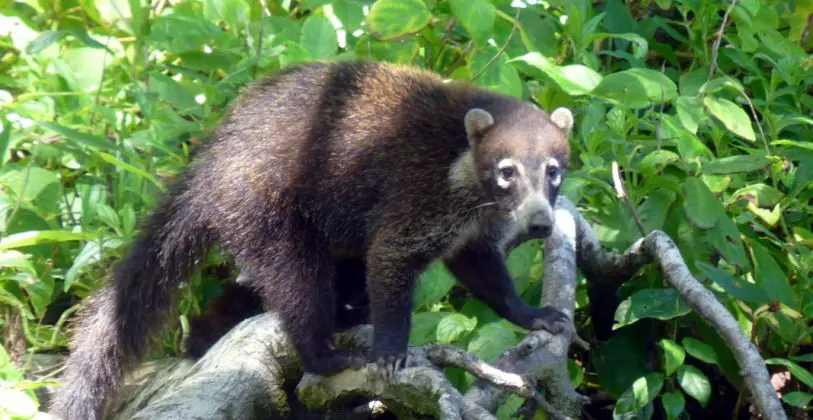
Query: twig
[622, 195]
[502, 49]
[716, 47]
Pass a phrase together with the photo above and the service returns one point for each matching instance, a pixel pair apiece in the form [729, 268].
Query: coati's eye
[508, 173]
[552, 171]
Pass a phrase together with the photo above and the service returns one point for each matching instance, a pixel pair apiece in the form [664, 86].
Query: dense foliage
[705, 105]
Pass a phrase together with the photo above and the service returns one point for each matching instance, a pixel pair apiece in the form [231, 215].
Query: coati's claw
[389, 365]
[551, 320]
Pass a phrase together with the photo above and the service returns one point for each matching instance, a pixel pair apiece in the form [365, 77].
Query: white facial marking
[553, 163]
[505, 163]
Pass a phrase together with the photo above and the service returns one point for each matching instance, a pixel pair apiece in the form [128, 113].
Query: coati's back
[336, 141]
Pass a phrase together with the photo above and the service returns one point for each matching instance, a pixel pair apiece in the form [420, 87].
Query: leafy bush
[705, 105]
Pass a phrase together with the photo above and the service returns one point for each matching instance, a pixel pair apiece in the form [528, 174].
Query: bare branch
[659, 247]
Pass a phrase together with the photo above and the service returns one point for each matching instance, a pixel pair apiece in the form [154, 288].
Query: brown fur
[324, 162]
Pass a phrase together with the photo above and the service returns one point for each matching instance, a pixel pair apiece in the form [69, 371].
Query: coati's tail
[121, 318]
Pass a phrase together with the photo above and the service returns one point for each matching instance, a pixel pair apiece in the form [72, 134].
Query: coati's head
[520, 157]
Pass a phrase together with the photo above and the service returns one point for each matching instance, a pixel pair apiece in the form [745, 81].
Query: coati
[385, 164]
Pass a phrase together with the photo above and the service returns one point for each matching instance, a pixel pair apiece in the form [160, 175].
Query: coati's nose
[540, 226]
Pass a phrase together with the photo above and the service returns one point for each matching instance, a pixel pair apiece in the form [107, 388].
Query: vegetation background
[705, 105]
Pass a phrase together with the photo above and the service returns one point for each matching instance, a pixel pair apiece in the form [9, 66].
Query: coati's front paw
[550, 319]
[389, 364]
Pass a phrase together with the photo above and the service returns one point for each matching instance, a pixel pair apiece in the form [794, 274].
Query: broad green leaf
[694, 383]
[655, 208]
[40, 290]
[491, 340]
[388, 51]
[736, 287]
[735, 164]
[24, 239]
[762, 194]
[319, 37]
[477, 17]
[87, 67]
[673, 404]
[180, 33]
[662, 304]
[673, 355]
[390, 19]
[770, 277]
[636, 88]
[803, 236]
[770, 217]
[700, 350]
[656, 160]
[433, 285]
[33, 183]
[498, 75]
[798, 399]
[697, 202]
[424, 327]
[18, 261]
[90, 254]
[643, 391]
[795, 369]
[173, 92]
[717, 184]
[731, 115]
[577, 80]
[575, 372]
[690, 112]
[43, 41]
[453, 327]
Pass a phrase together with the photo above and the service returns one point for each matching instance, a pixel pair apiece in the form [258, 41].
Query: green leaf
[736, 287]
[24, 239]
[673, 404]
[643, 391]
[477, 17]
[424, 327]
[390, 19]
[656, 160]
[673, 355]
[320, 37]
[491, 340]
[798, 399]
[796, 370]
[697, 202]
[43, 41]
[636, 88]
[662, 304]
[35, 184]
[577, 80]
[770, 277]
[700, 350]
[735, 164]
[453, 327]
[694, 383]
[84, 139]
[87, 66]
[433, 285]
[762, 194]
[731, 115]
[690, 112]
[130, 168]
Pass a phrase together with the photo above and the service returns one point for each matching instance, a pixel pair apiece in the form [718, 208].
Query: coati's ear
[563, 119]
[477, 120]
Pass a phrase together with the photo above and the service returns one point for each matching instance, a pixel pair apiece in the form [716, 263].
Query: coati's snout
[521, 160]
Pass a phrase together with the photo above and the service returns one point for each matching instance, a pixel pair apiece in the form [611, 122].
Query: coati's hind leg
[296, 281]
